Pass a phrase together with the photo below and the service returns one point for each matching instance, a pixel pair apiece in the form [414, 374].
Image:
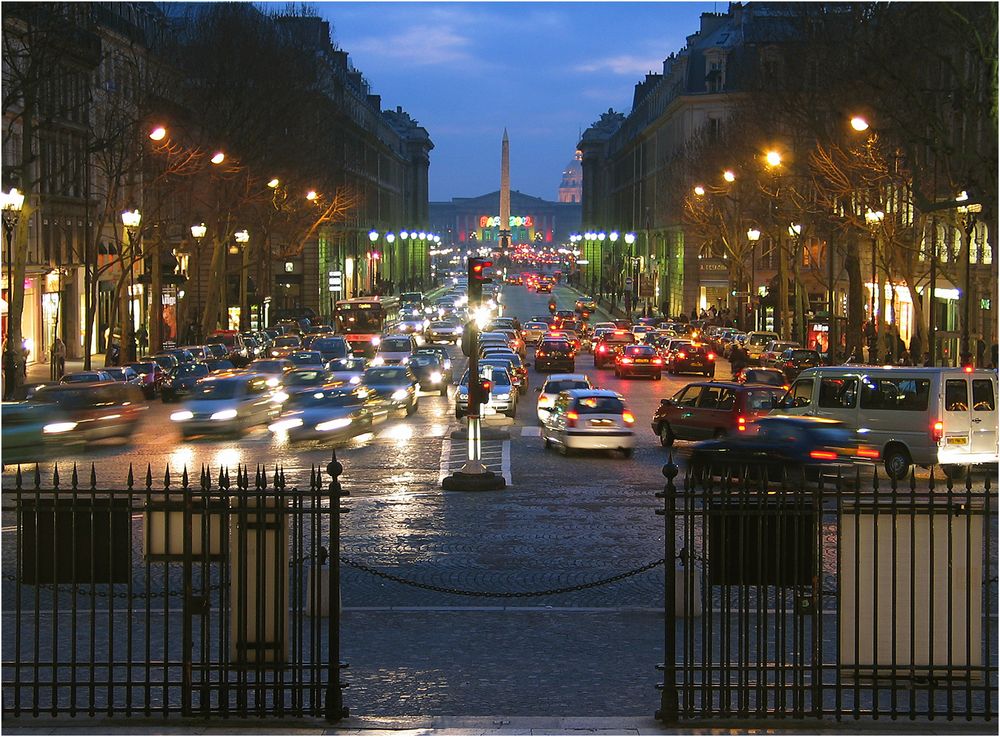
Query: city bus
[361, 320]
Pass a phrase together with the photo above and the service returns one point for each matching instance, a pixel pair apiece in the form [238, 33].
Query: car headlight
[354, 380]
[435, 377]
[376, 340]
[55, 428]
[399, 394]
[502, 396]
[333, 424]
[285, 425]
[276, 398]
[181, 416]
[378, 361]
[224, 414]
[447, 365]
[272, 382]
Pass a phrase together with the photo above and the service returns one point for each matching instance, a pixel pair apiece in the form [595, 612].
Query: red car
[639, 360]
[712, 409]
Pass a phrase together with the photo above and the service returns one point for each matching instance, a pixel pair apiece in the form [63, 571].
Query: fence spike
[275, 477]
[223, 478]
[913, 480]
[986, 485]
[17, 477]
[38, 477]
[185, 479]
[166, 476]
[55, 476]
[875, 480]
[130, 479]
[74, 479]
[949, 484]
[968, 479]
[930, 481]
[149, 477]
[892, 482]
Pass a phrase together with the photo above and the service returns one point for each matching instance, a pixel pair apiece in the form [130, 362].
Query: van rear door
[957, 415]
[984, 415]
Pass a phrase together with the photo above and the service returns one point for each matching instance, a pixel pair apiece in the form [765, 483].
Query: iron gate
[207, 598]
[827, 596]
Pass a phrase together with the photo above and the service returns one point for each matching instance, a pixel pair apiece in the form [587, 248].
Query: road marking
[531, 432]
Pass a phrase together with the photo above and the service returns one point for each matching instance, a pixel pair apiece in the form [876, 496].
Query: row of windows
[896, 394]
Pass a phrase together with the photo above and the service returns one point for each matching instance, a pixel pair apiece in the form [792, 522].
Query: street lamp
[242, 240]
[968, 213]
[11, 202]
[753, 235]
[131, 221]
[874, 218]
[198, 233]
[772, 158]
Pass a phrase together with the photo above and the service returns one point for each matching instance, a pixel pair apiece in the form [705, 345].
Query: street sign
[629, 283]
[335, 281]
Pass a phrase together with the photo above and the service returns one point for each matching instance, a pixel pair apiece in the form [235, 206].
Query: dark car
[152, 376]
[555, 355]
[437, 350]
[396, 386]
[124, 374]
[304, 379]
[769, 376]
[166, 361]
[711, 409]
[107, 409]
[639, 360]
[511, 363]
[182, 381]
[429, 370]
[783, 448]
[610, 345]
[219, 365]
[307, 358]
[330, 347]
[796, 360]
[692, 359]
[183, 355]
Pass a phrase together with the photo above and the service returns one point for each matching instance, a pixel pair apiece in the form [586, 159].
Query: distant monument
[505, 192]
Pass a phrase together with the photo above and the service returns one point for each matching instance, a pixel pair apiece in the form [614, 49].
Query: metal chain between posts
[498, 594]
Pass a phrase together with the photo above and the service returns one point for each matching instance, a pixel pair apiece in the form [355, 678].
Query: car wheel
[897, 462]
[666, 435]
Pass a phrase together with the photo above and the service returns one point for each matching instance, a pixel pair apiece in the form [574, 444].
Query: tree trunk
[216, 282]
[855, 298]
[783, 328]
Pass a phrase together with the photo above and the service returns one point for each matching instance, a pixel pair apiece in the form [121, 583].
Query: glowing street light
[729, 176]
[218, 157]
[273, 184]
[859, 124]
[373, 235]
[773, 158]
[699, 190]
[158, 133]
[311, 195]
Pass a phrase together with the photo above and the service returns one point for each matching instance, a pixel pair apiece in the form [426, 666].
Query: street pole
[931, 301]
[968, 225]
[832, 344]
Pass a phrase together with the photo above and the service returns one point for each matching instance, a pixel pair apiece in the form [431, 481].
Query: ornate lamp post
[874, 218]
[753, 235]
[243, 243]
[967, 213]
[11, 202]
[131, 221]
[198, 233]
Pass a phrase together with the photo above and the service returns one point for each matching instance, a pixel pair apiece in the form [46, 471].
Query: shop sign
[712, 265]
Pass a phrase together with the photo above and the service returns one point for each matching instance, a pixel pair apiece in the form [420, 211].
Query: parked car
[124, 374]
[796, 360]
[711, 409]
[590, 419]
[230, 403]
[152, 377]
[770, 356]
[639, 360]
[86, 377]
[756, 342]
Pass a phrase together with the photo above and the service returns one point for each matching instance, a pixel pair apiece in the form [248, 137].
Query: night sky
[545, 71]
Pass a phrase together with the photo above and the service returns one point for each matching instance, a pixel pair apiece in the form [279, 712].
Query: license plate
[957, 441]
[601, 423]
[695, 363]
[642, 360]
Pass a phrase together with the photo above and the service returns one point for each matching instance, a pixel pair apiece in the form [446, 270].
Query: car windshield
[619, 337]
[423, 360]
[376, 375]
[116, 373]
[347, 364]
[304, 378]
[554, 345]
[638, 350]
[192, 369]
[803, 354]
[324, 398]
[564, 385]
[306, 357]
[81, 378]
[267, 367]
[395, 345]
[143, 368]
[213, 390]
[774, 378]
[442, 326]
[598, 405]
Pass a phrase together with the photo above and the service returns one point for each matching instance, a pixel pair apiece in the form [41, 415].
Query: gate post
[335, 709]
[668, 711]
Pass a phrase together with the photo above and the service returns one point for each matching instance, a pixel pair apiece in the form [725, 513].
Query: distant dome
[571, 187]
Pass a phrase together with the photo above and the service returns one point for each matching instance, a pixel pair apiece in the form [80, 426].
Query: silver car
[227, 404]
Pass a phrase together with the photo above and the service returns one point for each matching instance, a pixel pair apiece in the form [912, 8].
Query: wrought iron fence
[211, 598]
[813, 595]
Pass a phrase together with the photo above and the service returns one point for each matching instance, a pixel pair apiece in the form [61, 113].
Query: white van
[756, 342]
[927, 416]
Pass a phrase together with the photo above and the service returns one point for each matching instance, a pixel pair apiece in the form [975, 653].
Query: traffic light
[478, 277]
[479, 393]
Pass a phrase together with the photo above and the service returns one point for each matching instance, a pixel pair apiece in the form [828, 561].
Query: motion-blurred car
[101, 410]
[444, 331]
[710, 409]
[304, 379]
[283, 345]
[590, 419]
[393, 350]
[229, 403]
[554, 384]
[302, 359]
[219, 365]
[182, 381]
[347, 370]
[331, 347]
[442, 353]
[771, 377]
[334, 412]
[503, 395]
[36, 431]
[274, 368]
[639, 360]
[783, 449]
[429, 370]
[396, 386]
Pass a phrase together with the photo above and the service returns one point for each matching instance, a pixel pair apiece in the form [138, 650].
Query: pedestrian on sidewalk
[58, 359]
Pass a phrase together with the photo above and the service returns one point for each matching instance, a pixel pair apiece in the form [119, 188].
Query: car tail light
[571, 418]
[602, 349]
[741, 424]
[539, 354]
[658, 361]
[625, 360]
[628, 418]
[823, 455]
[937, 431]
[868, 453]
[681, 354]
[711, 356]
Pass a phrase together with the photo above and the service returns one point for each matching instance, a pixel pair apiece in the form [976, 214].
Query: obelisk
[505, 192]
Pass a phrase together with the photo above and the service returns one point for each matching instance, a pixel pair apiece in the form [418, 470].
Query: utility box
[259, 580]
[911, 587]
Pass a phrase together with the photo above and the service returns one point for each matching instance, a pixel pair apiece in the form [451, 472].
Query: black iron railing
[805, 594]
